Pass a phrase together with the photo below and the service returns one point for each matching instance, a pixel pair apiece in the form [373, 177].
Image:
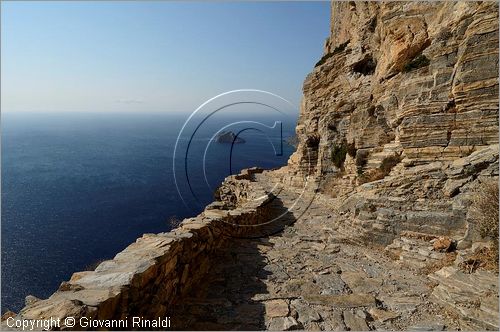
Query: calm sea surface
[78, 188]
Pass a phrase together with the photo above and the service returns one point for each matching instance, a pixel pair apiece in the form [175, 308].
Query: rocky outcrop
[474, 297]
[399, 123]
[398, 128]
[228, 137]
[401, 114]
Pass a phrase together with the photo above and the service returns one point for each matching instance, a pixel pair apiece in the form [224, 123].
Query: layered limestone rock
[398, 127]
[366, 91]
[405, 96]
[399, 124]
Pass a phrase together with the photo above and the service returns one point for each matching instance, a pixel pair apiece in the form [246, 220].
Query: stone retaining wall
[154, 273]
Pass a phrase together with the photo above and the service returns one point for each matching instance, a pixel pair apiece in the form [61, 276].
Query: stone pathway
[307, 277]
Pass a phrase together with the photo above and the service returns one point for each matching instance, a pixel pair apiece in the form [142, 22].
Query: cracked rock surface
[308, 277]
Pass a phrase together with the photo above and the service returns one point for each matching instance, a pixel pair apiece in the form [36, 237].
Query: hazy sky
[153, 56]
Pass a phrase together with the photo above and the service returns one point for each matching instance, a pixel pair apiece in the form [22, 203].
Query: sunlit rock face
[404, 97]
[398, 128]
[420, 79]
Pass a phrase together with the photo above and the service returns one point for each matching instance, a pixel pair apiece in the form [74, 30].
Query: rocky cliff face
[402, 110]
[399, 123]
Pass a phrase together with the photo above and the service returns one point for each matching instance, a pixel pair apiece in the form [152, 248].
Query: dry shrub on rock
[485, 209]
[485, 258]
[173, 222]
[381, 172]
[371, 175]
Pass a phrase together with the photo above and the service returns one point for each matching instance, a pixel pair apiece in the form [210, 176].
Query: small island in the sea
[228, 137]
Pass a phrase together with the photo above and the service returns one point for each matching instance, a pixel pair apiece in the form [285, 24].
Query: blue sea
[79, 187]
